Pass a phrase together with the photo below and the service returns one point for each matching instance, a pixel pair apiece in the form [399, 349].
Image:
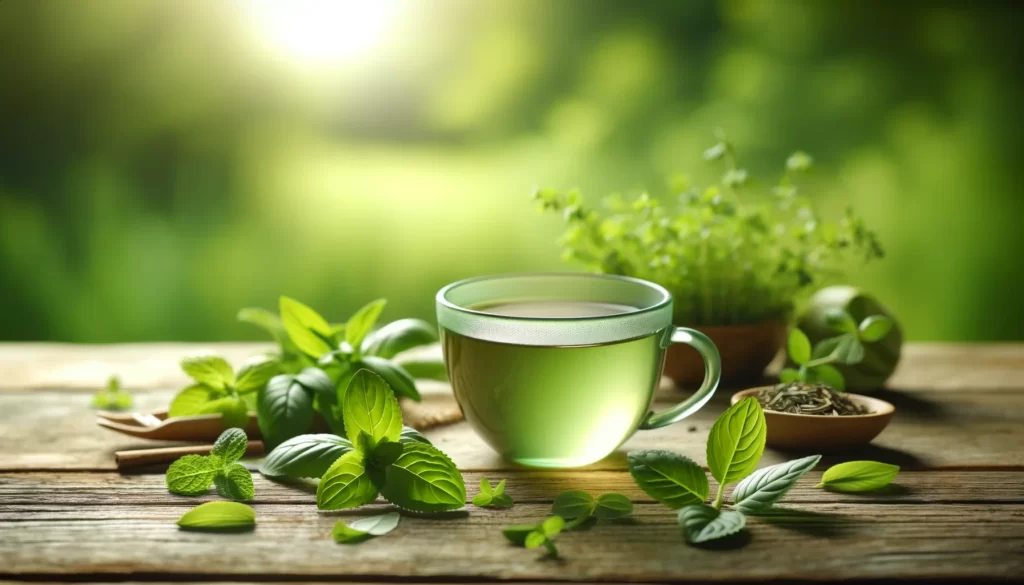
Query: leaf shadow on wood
[914, 406]
[303, 485]
[818, 524]
[890, 490]
[867, 452]
[731, 542]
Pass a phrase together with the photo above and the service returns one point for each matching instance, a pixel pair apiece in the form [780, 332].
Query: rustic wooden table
[955, 513]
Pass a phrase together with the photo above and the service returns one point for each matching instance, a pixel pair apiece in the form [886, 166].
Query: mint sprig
[536, 535]
[218, 390]
[193, 475]
[578, 507]
[847, 348]
[112, 397]
[492, 497]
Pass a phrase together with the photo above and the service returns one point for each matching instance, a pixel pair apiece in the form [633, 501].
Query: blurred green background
[165, 163]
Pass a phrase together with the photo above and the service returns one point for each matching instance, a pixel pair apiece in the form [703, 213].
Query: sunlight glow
[324, 31]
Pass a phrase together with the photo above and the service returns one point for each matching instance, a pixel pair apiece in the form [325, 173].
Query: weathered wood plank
[925, 366]
[112, 489]
[56, 430]
[850, 541]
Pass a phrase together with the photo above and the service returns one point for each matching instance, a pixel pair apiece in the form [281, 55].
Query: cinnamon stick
[144, 457]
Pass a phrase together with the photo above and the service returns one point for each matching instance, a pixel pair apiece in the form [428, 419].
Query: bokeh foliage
[162, 167]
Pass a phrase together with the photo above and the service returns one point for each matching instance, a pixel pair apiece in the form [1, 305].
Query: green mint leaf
[482, 500]
[397, 378]
[840, 321]
[858, 476]
[485, 487]
[385, 453]
[398, 336]
[345, 484]
[191, 400]
[612, 506]
[343, 534]
[233, 411]
[305, 456]
[492, 497]
[210, 370]
[423, 365]
[371, 408]
[425, 480]
[845, 349]
[827, 374]
[670, 478]
[736, 441]
[552, 526]
[267, 321]
[235, 483]
[192, 474]
[761, 489]
[788, 375]
[411, 435]
[284, 409]
[230, 445]
[517, 533]
[701, 523]
[218, 516]
[799, 347]
[500, 488]
[501, 501]
[317, 382]
[535, 539]
[255, 372]
[362, 322]
[112, 397]
[572, 504]
[874, 328]
[306, 328]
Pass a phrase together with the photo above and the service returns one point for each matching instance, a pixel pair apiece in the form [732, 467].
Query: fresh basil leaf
[370, 407]
[485, 487]
[670, 478]
[192, 474]
[425, 480]
[234, 411]
[284, 409]
[235, 483]
[422, 365]
[517, 533]
[345, 484]
[572, 504]
[761, 489]
[256, 372]
[386, 453]
[317, 382]
[362, 322]
[306, 328]
[858, 476]
[827, 374]
[799, 347]
[230, 446]
[218, 516]
[499, 489]
[190, 401]
[343, 534]
[875, 327]
[736, 441]
[305, 456]
[840, 321]
[612, 506]
[702, 523]
[411, 435]
[398, 379]
[210, 370]
[398, 336]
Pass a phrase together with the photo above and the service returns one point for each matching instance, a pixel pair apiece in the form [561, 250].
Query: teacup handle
[712, 374]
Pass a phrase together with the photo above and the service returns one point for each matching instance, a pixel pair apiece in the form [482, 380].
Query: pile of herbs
[728, 252]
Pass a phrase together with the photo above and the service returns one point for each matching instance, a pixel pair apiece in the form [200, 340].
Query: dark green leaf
[218, 516]
[398, 336]
[736, 441]
[386, 453]
[670, 478]
[701, 523]
[573, 504]
[517, 533]
[305, 456]
[284, 409]
[612, 506]
[398, 379]
[760, 490]
[840, 321]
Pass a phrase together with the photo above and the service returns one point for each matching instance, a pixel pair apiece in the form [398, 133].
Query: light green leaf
[702, 523]
[670, 478]
[875, 327]
[845, 349]
[789, 375]
[267, 321]
[191, 400]
[485, 486]
[799, 161]
[210, 370]
[572, 504]
[256, 372]
[736, 441]
[112, 397]
[306, 328]
[284, 409]
[235, 483]
[858, 476]
[230, 445]
[343, 534]
[535, 539]
[827, 374]
[305, 456]
[370, 407]
[411, 435]
[345, 484]
[218, 516]
[362, 322]
[233, 411]
[840, 321]
[192, 474]
[425, 480]
[500, 488]
[398, 336]
[501, 501]
[360, 530]
[398, 379]
[612, 506]
[552, 526]
[517, 533]
[759, 491]
[799, 347]
[483, 500]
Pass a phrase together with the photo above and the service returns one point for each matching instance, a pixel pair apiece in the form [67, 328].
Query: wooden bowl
[809, 432]
[745, 349]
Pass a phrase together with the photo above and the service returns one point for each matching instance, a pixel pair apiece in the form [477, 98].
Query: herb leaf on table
[218, 516]
[492, 497]
[736, 443]
[365, 528]
[858, 476]
[701, 523]
[192, 475]
[761, 489]
[112, 397]
[307, 456]
[670, 478]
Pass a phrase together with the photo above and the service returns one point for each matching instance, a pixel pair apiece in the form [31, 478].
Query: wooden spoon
[156, 426]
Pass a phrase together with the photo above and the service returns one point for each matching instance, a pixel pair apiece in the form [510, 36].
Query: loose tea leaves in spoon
[805, 398]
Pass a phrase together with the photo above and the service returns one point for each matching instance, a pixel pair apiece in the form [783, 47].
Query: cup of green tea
[558, 370]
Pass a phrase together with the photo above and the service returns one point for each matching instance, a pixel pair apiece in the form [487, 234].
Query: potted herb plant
[736, 259]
